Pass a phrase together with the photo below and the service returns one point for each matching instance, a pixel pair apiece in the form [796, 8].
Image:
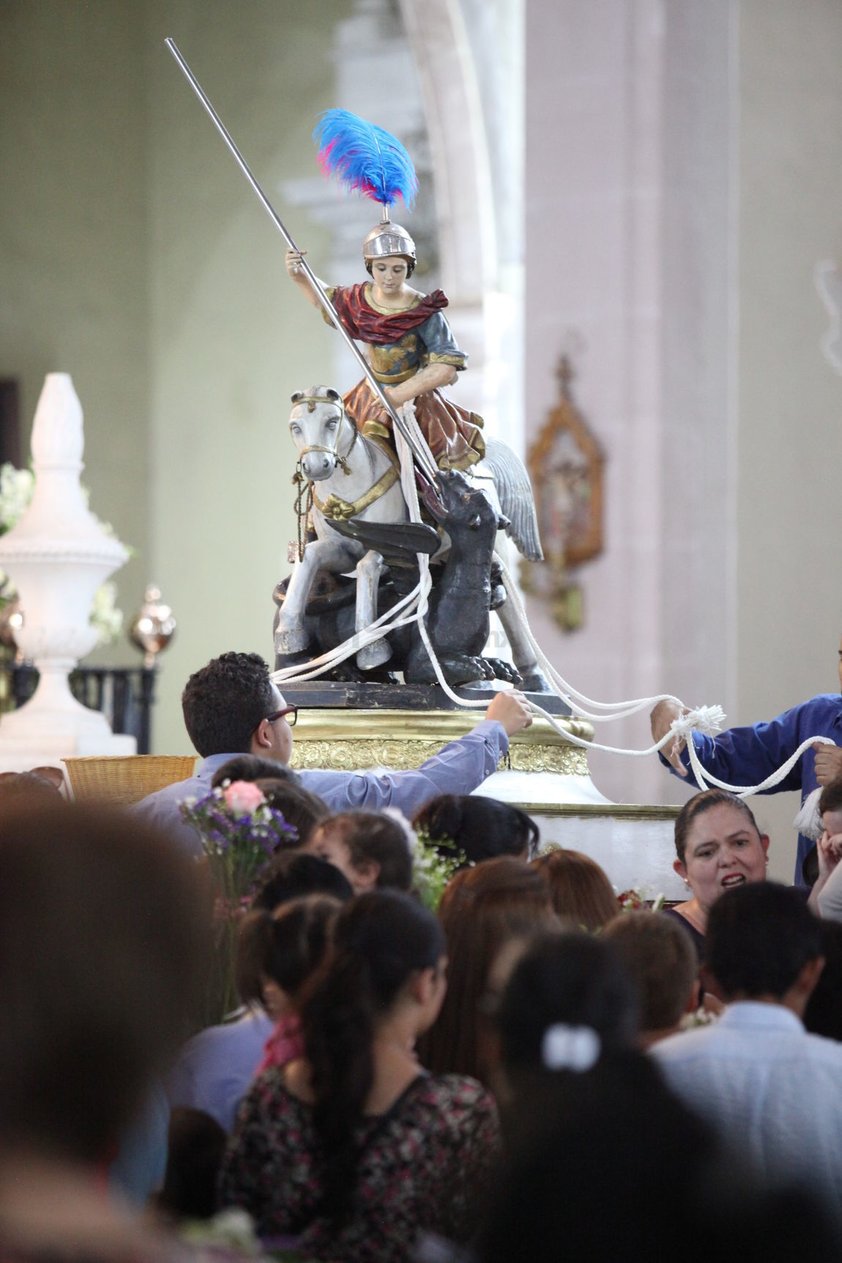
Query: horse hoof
[374, 655]
[535, 681]
[291, 640]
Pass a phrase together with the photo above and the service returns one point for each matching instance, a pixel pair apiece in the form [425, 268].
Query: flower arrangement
[16, 488]
[635, 900]
[432, 869]
[240, 833]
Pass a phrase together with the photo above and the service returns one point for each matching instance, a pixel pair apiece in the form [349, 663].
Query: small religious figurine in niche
[566, 467]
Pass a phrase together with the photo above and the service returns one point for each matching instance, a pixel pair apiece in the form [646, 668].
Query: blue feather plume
[367, 159]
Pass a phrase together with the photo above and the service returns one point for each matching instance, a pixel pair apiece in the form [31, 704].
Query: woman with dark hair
[603, 1161]
[353, 1151]
[482, 910]
[481, 828]
[581, 892]
[567, 1019]
[718, 846]
[565, 985]
[278, 954]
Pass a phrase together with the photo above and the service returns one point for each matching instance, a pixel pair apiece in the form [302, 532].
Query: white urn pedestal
[57, 555]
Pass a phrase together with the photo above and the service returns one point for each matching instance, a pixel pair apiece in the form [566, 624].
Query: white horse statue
[348, 476]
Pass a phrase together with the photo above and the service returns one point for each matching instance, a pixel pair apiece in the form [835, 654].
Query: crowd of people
[518, 1068]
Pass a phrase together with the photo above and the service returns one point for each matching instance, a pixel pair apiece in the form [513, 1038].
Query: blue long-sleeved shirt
[457, 768]
[746, 756]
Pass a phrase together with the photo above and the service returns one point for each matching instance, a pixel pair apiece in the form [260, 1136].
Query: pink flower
[242, 797]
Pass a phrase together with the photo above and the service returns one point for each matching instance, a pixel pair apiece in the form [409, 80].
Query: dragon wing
[514, 491]
[397, 542]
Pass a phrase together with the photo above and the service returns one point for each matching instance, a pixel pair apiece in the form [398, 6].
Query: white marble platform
[633, 843]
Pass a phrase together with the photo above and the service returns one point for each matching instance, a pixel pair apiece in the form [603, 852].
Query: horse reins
[304, 496]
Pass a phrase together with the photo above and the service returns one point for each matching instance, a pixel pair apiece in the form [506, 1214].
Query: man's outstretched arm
[458, 768]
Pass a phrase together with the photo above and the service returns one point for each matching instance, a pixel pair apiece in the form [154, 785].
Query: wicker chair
[125, 779]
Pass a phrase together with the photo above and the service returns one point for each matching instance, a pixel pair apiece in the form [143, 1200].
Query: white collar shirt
[773, 1091]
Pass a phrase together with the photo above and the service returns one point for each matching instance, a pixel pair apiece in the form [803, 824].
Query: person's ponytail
[380, 940]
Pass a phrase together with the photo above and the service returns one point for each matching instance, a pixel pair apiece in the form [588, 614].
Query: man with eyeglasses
[231, 707]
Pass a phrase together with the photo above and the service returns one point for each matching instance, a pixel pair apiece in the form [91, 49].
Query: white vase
[57, 555]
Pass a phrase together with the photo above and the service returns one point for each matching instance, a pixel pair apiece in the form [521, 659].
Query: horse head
[322, 432]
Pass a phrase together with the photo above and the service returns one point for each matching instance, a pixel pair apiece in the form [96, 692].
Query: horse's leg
[321, 554]
[534, 680]
[369, 570]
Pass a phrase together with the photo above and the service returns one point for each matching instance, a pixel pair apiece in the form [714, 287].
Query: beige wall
[134, 256]
[628, 233]
[229, 339]
[73, 274]
[699, 158]
[789, 511]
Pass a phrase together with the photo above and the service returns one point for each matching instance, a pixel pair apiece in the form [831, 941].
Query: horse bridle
[304, 495]
[342, 461]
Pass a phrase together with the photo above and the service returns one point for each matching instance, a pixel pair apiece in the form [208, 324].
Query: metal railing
[125, 695]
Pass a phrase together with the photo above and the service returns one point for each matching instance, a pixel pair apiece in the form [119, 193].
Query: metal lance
[423, 459]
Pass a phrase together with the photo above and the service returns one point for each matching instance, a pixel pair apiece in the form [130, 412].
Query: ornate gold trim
[390, 311]
[339, 510]
[624, 811]
[345, 740]
[563, 760]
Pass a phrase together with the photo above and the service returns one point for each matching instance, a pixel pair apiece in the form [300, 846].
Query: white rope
[315, 667]
[704, 719]
[705, 779]
[410, 491]
[573, 698]
[570, 695]
[410, 609]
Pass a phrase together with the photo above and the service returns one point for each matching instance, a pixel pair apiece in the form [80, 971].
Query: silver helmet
[387, 239]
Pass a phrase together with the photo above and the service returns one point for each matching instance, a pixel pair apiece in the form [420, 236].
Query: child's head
[659, 956]
[278, 952]
[830, 807]
[370, 847]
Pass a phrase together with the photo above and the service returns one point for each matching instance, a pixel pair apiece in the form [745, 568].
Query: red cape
[377, 328]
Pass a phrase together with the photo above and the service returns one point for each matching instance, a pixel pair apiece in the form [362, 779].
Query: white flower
[16, 486]
[105, 616]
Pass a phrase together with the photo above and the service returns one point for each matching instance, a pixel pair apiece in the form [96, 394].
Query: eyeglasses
[289, 713]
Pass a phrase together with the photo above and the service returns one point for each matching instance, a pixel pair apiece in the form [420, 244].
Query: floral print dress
[424, 1166]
